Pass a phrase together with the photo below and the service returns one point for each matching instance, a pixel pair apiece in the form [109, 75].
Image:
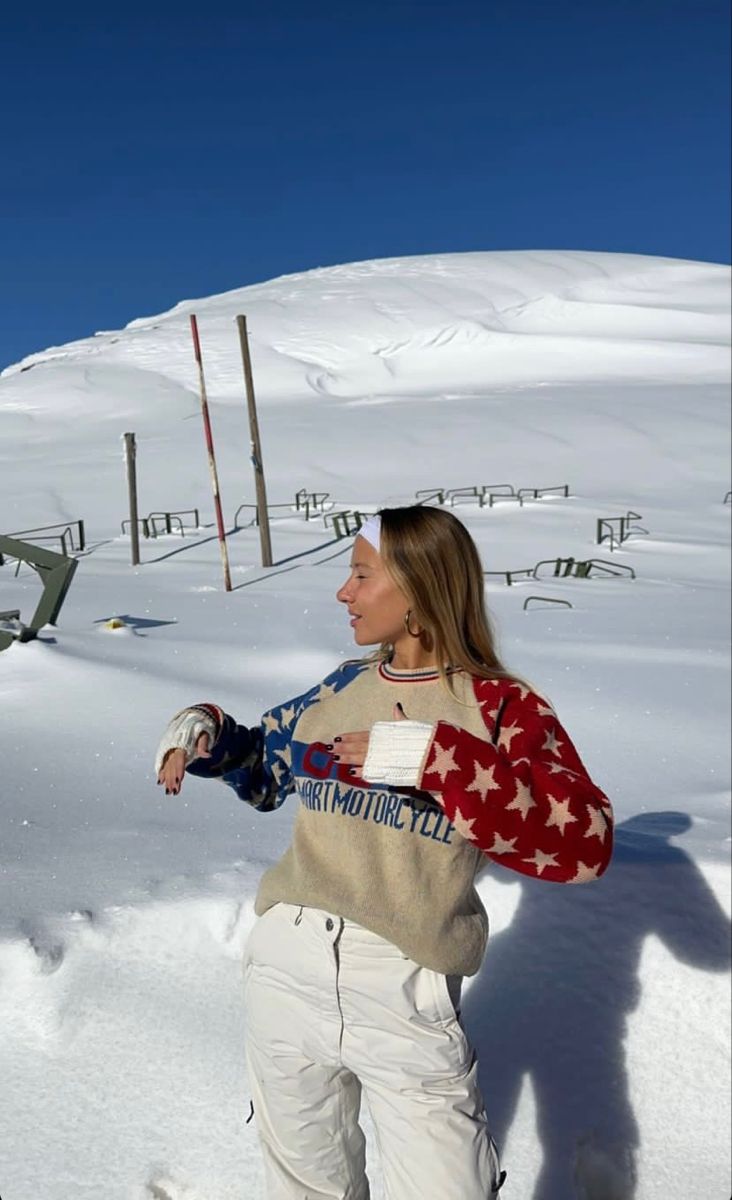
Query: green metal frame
[347, 522]
[56, 572]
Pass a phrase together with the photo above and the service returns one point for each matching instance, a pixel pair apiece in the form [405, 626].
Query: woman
[411, 766]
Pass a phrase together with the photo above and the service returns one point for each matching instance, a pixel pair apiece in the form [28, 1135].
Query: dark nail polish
[336, 758]
[337, 739]
[353, 771]
[329, 745]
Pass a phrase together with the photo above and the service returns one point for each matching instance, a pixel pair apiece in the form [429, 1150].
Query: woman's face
[376, 606]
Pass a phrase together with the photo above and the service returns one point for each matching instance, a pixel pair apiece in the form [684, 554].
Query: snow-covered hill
[123, 912]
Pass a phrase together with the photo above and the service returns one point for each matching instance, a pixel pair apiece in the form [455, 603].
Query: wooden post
[130, 457]
[211, 455]
[261, 490]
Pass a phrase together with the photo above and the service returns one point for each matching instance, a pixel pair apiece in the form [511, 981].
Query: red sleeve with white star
[524, 798]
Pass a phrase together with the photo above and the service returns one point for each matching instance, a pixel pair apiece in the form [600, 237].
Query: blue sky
[153, 153]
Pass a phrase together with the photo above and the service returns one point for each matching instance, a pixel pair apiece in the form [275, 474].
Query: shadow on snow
[551, 1000]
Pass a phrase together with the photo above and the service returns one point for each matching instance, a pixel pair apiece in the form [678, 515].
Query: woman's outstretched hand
[174, 765]
[352, 748]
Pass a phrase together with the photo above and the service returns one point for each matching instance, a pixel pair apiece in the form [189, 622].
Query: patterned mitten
[185, 729]
[395, 753]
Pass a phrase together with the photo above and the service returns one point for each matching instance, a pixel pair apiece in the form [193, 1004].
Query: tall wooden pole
[261, 490]
[211, 455]
[130, 458]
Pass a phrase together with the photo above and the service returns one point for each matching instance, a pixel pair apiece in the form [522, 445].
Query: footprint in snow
[163, 1187]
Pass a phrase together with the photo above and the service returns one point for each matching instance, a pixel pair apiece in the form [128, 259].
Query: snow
[602, 1014]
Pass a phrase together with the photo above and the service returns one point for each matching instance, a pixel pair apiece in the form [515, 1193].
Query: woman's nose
[342, 594]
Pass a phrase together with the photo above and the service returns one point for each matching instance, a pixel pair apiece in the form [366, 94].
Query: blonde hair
[434, 561]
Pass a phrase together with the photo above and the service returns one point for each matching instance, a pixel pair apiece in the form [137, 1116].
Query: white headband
[371, 530]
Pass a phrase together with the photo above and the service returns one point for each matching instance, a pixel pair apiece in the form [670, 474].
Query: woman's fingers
[174, 765]
[350, 748]
[163, 769]
[172, 771]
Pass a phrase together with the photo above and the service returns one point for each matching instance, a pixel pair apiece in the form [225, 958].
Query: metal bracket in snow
[56, 572]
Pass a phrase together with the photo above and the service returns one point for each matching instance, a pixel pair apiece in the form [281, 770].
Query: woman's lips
[354, 619]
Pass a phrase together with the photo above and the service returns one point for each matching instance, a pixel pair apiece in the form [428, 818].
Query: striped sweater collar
[416, 675]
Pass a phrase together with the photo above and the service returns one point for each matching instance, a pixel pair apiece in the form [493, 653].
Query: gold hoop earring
[406, 623]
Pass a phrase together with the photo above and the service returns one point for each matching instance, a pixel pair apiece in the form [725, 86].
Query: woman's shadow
[551, 1000]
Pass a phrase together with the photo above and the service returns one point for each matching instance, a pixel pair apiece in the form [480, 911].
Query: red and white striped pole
[211, 455]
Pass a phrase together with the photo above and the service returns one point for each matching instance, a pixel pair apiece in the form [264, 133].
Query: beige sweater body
[381, 857]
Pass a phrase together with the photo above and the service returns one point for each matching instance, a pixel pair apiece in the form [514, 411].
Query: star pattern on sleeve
[541, 861]
[558, 769]
[507, 734]
[523, 801]
[483, 782]
[598, 825]
[491, 701]
[500, 846]
[560, 814]
[257, 762]
[464, 827]
[552, 743]
[443, 761]
[585, 874]
[526, 798]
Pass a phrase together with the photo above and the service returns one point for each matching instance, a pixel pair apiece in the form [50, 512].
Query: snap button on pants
[334, 1011]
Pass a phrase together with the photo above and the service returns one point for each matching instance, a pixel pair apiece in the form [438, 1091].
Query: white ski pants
[333, 1010]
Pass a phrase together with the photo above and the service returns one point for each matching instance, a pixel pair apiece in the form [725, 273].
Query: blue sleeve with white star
[257, 762]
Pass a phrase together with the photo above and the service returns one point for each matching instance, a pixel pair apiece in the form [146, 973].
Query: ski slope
[602, 1014]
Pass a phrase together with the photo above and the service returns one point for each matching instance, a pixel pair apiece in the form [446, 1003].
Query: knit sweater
[499, 778]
